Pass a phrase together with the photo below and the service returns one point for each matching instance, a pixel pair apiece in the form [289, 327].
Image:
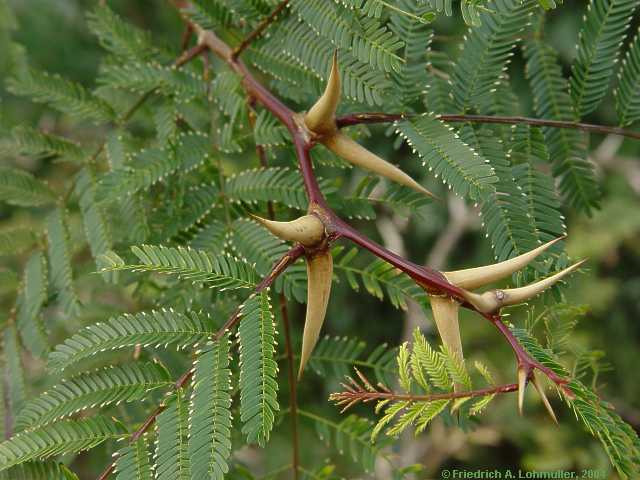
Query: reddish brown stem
[259, 29]
[349, 396]
[431, 279]
[186, 37]
[190, 54]
[293, 386]
[525, 360]
[375, 117]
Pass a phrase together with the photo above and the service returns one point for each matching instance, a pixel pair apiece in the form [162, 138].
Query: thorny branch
[335, 228]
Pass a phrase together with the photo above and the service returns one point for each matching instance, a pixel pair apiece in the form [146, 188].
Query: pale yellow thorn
[445, 314]
[307, 230]
[522, 385]
[356, 154]
[471, 278]
[320, 276]
[493, 300]
[321, 116]
[540, 389]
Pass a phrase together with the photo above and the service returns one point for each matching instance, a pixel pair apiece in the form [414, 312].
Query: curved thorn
[307, 230]
[477, 277]
[540, 389]
[356, 154]
[522, 385]
[493, 300]
[321, 116]
[445, 314]
[320, 276]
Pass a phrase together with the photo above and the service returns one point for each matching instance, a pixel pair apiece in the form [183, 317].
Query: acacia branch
[376, 117]
[432, 281]
[279, 267]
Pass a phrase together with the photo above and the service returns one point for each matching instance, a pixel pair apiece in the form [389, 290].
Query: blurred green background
[57, 40]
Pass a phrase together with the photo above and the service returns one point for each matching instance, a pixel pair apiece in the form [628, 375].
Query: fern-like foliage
[133, 462]
[32, 299]
[96, 228]
[487, 51]
[58, 438]
[144, 77]
[60, 272]
[153, 165]
[64, 95]
[17, 390]
[566, 147]
[628, 90]
[20, 188]
[338, 356]
[258, 369]
[103, 387]
[222, 272]
[367, 39]
[32, 142]
[412, 78]
[606, 23]
[120, 37]
[308, 47]
[462, 169]
[425, 370]
[378, 278]
[156, 328]
[16, 240]
[209, 13]
[171, 455]
[210, 414]
[38, 470]
[274, 184]
[352, 436]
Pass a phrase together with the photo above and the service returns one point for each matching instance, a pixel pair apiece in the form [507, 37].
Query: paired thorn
[321, 117]
[524, 376]
[320, 277]
[492, 300]
[445, 313]
[445, 309]
[321, 120]
[523, 379]
[307, 230]
[540, 389]
[472, 278]
[310, 232]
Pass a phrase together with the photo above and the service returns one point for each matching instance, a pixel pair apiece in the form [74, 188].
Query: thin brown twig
[351, 396]
[293, 386]
[186, 37]
[377, 117]
[259, 29]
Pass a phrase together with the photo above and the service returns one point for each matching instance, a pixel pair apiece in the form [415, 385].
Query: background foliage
[158, 183]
